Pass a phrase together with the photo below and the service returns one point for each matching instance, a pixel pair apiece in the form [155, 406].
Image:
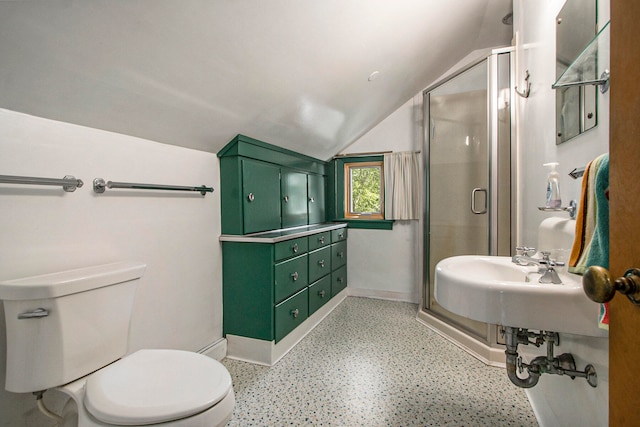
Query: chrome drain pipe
[564, 364]
[513, 337]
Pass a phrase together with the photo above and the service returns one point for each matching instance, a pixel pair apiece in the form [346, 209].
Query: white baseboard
[385, 295]
[216, 350]
[492, 356]
[268, 353]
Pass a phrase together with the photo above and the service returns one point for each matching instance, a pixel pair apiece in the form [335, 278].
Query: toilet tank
[65, 325]
[556, 235]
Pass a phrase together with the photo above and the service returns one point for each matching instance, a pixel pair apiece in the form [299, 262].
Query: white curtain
[402, 186]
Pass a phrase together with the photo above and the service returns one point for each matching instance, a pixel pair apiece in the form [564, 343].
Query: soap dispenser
[553, 187]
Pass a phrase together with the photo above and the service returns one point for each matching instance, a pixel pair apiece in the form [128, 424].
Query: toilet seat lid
[154, 386]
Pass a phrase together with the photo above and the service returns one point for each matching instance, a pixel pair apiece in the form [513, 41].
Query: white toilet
[70, 330]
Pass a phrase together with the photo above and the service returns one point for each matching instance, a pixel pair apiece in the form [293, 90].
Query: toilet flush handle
[38, 312]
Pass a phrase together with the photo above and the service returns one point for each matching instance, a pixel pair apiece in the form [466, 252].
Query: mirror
[576, 110]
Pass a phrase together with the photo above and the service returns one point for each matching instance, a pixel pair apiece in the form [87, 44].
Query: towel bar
[69, 183]
[99, 186]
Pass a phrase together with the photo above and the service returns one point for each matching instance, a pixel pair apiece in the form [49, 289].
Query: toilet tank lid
[68, 282]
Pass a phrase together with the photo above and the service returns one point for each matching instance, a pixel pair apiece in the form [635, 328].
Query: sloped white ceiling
[195, 73]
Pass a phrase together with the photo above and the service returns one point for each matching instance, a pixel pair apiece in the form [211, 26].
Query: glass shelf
[591, 66]
[572, 209]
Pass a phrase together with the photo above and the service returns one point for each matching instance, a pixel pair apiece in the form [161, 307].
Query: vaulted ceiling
[308, 75]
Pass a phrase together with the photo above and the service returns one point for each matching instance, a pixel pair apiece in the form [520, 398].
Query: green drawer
[338, 254]
[338, 235]
[290, 276]
[338, 280]
[319, 263]
[291, 313]
[290, 248]
[319, 240]
[319, 294]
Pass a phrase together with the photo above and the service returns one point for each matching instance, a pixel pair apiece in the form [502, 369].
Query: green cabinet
[264, 187]
[281, 264]
[270, 287]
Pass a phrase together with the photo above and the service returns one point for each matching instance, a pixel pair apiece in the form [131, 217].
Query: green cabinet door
[290, 313]
[261, 196]
[316, 200]
[290, 276]
[339, 254]
[319, 293]
[319, 263]
[293, 198]
[338, 280]
[319, 240]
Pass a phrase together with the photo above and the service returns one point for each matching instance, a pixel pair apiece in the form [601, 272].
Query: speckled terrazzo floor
[370, 363]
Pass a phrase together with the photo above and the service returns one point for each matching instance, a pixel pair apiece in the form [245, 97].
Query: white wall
[535, 24]
[556, 400]
[388, 263]
[44, 229]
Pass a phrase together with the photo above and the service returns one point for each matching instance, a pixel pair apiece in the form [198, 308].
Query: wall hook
[527, 91]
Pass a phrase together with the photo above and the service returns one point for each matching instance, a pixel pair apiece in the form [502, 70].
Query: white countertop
[275, 236]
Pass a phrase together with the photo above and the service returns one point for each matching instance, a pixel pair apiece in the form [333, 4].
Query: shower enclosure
[468, 175]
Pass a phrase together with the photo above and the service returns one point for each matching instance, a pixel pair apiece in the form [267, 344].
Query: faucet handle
[525, 250]
[548, 261]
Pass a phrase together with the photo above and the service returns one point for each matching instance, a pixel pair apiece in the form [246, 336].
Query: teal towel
[599, 251]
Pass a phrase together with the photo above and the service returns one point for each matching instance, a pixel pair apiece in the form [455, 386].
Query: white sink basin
[494, 290]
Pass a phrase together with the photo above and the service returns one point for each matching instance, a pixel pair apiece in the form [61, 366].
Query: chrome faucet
[546, 265]
[549, 275]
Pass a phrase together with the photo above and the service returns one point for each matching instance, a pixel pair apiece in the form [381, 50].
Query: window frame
[363, 221]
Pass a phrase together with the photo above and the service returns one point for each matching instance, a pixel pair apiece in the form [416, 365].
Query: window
[364, 190]
[358, 192]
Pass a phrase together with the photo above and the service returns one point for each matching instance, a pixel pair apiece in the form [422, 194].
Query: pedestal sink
[495, 290]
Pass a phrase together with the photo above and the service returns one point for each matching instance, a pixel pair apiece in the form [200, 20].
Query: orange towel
[586, 218]
[580, 240]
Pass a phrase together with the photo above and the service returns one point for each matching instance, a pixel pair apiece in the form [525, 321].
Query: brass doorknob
[598, 286]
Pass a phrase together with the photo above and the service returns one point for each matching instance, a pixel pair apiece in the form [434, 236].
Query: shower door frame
[492, 337]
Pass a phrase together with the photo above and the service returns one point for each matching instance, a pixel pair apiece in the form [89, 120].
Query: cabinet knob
[312, 199]
[251, 197]
[341, 254]
[295, 313]
[321, 293]
[286, 199]
[294, 276]
[598, 286]
[340, 280]
[321, 263]
[321, 239]
[294, 248]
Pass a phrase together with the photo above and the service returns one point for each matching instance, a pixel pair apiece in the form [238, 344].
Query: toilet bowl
[69, 331]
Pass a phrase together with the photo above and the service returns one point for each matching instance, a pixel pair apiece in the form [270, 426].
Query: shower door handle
[473, 201]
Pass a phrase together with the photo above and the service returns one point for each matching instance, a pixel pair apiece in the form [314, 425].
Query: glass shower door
[458, 176]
